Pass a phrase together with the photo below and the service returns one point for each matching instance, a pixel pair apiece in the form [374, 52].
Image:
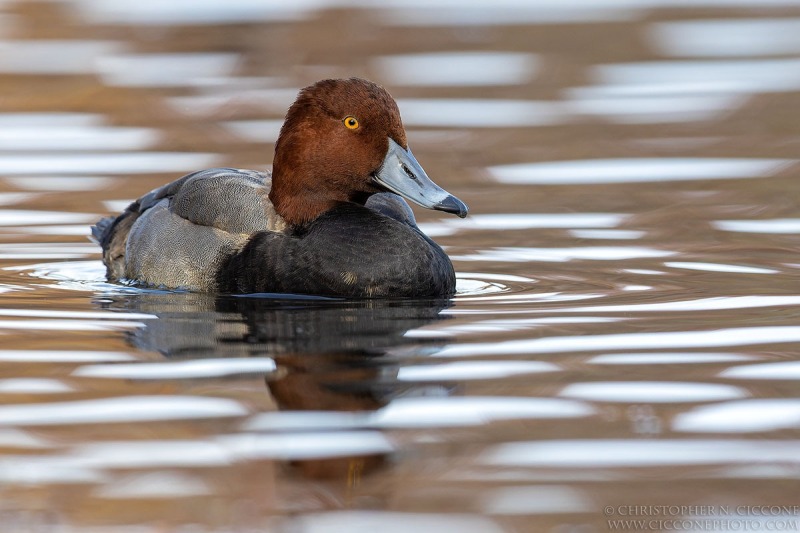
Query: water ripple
[473, 370]
[473, 411]
[718, 267]
[105, 163]
[651, 391]
[727, 37]
[446, 69]
[652, 108]
[629, 341]
[735, 75]
[778, 226]
[669, 358]
[636, 170]
[306, 445]
[164, 70]
[154, 485]
[22, 217]
[34, 138]
[480, 113]
[193, 369]
[605, 453]
[54, 56]
[118, 410]
[62, 356]
[788, 370]
[393, 522]
[33, 386]
[534, 500]
[703, 304]
[748, 416]
[562, 255]
[522, 221]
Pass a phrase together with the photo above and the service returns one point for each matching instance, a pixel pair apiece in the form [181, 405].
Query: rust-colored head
[335, 137]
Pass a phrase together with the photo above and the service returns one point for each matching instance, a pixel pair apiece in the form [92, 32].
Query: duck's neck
[299, 198]
[297, 205]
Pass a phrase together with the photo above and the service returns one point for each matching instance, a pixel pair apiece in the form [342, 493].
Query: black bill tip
[451, 204]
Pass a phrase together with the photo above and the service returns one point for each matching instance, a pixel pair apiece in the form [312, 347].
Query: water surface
[625, 332]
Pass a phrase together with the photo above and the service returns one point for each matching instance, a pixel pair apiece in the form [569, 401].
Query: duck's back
[178, 235]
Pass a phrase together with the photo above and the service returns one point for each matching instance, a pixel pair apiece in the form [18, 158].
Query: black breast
[350, 251]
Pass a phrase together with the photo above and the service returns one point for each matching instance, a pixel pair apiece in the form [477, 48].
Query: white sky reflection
[122, 409]
[54, 56]
[445, 69]
[741, 75]
[191, 369]
[777, 225]
[306, 445]
[562, 255]
[702, 304]
[105, 163]
[36, 138]
[756, 415]
[610, 453]
[640, 170]
[649, 109]
[779, 370]
[629, 341]
[669, 358]
[61, 356]
[652, 391]
[718, 267]
[473, 411]
[391, 522]
[726, 37]
[479, 113]
[473, 370]
[164, 70]
[154, 485]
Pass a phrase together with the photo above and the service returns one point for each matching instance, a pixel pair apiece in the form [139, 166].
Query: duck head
[343, 141]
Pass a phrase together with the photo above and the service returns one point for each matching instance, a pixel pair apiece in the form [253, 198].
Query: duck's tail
[111, 233]
[101, 230]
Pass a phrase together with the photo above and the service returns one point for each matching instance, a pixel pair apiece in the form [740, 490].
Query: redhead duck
[329, 220]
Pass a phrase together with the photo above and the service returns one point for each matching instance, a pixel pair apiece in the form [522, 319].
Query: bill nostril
[408, 172]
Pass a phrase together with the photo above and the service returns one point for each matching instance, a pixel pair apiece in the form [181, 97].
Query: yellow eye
[350, 122]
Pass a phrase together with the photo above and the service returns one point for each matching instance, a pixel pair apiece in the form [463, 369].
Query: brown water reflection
[626, 329]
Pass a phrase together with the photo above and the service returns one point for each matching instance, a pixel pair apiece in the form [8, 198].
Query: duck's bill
[401, 174]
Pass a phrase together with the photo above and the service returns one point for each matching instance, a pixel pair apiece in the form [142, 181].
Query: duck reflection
[331, 355]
